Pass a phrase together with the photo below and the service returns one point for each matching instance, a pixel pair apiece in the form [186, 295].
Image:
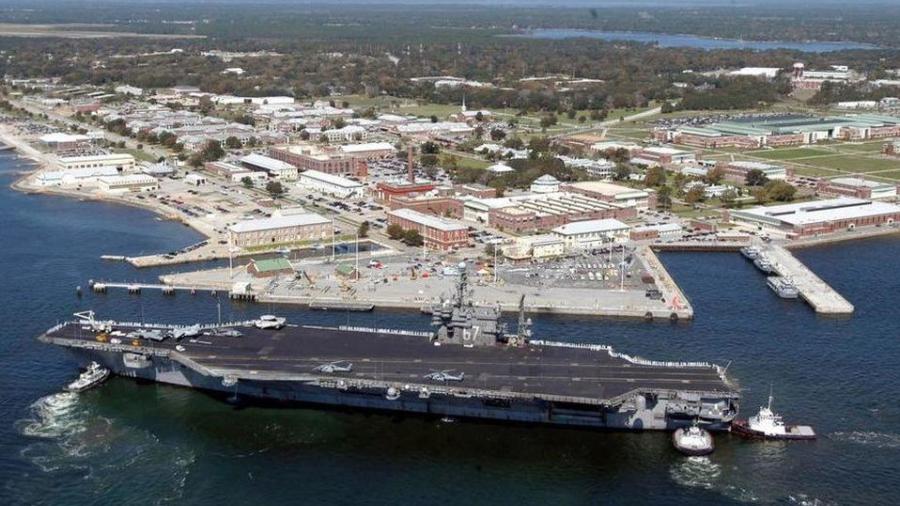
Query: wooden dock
[822, 297]
[137, 288]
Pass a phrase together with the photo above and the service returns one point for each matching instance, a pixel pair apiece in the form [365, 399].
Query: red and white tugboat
[768, 425]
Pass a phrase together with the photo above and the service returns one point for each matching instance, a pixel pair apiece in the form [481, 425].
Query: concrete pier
[819, 295]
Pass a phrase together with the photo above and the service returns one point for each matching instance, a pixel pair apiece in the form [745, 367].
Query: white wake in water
[696, 472]
[88, 452]
[881, 440]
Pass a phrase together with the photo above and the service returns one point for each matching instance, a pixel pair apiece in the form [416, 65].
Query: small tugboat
[750, 252]
[693, 440]
[783, 287]
[763, 264]
[93, 376]
[768, 425]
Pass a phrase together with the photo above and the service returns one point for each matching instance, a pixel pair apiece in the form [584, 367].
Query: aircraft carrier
[467, 367]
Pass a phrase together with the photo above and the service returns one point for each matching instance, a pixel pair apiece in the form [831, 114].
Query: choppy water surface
[135, 443]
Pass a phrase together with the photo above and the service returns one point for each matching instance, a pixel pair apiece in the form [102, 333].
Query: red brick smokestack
[410, 174]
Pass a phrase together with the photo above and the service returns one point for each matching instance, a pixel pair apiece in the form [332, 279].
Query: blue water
[136, 444]
[695, 41]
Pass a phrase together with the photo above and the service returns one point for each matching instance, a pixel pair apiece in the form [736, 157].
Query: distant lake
[696, 41]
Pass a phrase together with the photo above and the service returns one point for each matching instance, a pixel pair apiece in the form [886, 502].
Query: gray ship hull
[640, 411]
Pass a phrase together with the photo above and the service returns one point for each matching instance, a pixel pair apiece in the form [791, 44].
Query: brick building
[438, 233]
[329, 161]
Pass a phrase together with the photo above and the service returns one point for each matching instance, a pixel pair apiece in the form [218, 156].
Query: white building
[195, 179]
[127, 183]
[545, 184]
[331, 184]
[581, 235]
[500, 168]
[73, 177]
[762, 72]
[123, 162]
[129, 90]
[347, 133]
[275, 168]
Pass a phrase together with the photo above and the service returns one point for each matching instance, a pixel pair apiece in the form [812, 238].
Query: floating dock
[822, 297]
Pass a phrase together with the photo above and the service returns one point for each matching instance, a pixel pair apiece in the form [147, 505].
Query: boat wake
[703, 473]
[696, 472]
[83, 452]
[881, 440]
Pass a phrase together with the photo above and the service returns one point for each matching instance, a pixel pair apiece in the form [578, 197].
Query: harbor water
[694, 41]
[136, 444]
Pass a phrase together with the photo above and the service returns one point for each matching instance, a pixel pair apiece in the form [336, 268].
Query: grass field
[866, 147]
[787, 154]
[138, 154]
[890, 175]
[467, 162]
[851, 163]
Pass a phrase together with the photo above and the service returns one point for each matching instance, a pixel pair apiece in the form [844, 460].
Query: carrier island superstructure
[467, 367]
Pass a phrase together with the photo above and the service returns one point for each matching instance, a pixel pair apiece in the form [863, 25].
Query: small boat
[783, 287]
[693, 440]
[93, 376]
[769, 425]
[763, 264]
[750, 252]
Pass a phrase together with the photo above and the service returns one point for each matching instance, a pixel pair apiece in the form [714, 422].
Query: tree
[247, 182]
[780, 191]
[412, 237]
[395, 231]
[621, 172]
[755, 177]
[759, 193]
[212, 151]
[655, 176]
[694, 195]
[339, 123]
[232, 142]
[548, 121]
[428, 160]
[728, 197]
[430, 148]
[715, 175]
[434, 119]
[664, 198]
[275, 189]
[363, 229]
[497, 134]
